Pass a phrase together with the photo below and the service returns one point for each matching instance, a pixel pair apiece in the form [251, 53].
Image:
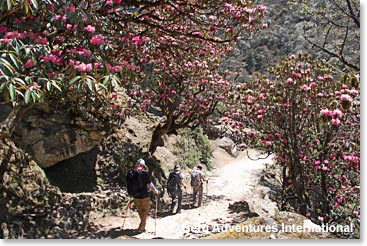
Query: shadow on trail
[214, 198]
[116, 233]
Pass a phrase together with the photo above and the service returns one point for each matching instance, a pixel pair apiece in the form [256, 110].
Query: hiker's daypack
[134, 182]
[195, 178]
[173, 183]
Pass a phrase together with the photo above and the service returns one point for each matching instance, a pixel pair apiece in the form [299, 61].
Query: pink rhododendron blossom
[97, 39]
[84, 67]
[351, 158]
[305, 87]
[70, 8]
[268, 143]
[243, 145]
[346, 97]
[29, 63]
[90, 29]
[297, 75]
[117, 69]
[335, 122]
[261, 8]
[35, 86]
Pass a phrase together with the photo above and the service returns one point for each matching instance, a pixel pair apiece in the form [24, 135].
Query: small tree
[310, 121]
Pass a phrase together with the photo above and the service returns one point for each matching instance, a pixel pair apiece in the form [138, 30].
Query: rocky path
[231, 186]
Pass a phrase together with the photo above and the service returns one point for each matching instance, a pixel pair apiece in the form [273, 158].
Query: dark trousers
[176, 199]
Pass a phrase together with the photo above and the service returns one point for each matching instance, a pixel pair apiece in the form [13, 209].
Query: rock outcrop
[50, 137]
[228, 145]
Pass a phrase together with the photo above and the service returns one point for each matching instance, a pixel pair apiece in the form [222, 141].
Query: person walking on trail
[174, 187]
[139, 189]
[197, 180]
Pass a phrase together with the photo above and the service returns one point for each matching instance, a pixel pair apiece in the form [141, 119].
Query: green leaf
[19, 92]
[90, 84]
[106, 79]
[55, 85]
[35, 4]
[19, 80]
[49, 86]
[2, 87]
[99, 84]
[7, 65]
[9, 3]
[27, 52]
[27, 96]
[12, 92]
[74, 80]
[34, 97]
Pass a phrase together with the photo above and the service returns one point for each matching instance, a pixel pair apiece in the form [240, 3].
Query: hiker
[174, 184]
[197, 180]
[141, 193]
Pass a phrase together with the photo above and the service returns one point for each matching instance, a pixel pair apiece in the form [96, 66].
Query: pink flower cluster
[90, 29]
[352, 158]
[37, 37]
[97, 39]
[84, 67]
[80, 51]
[335, 114]
[346, 97]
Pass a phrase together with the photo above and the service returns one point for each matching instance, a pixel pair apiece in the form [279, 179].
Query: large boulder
[50, 137]
[228, 145]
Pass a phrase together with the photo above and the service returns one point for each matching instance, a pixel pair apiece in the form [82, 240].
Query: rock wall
[51, 137]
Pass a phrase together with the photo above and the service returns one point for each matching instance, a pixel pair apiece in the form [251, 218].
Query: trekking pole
[156, 212]
[207, 191]
[187, 198]
[127, 210]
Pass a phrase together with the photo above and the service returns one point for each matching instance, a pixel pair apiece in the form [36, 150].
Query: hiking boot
[140, 230]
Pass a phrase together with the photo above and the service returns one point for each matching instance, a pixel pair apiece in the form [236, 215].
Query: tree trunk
[168, 128]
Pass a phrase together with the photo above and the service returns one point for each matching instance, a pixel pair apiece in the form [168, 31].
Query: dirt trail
[235, 181]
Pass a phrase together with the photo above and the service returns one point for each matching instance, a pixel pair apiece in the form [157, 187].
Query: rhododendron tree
[309, 119]
[164, 53]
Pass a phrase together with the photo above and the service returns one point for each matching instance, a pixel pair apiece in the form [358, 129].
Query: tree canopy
[164, 54]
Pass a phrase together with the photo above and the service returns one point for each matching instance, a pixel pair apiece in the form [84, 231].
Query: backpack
[172, 183]
[134, 182]
[195, 178]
